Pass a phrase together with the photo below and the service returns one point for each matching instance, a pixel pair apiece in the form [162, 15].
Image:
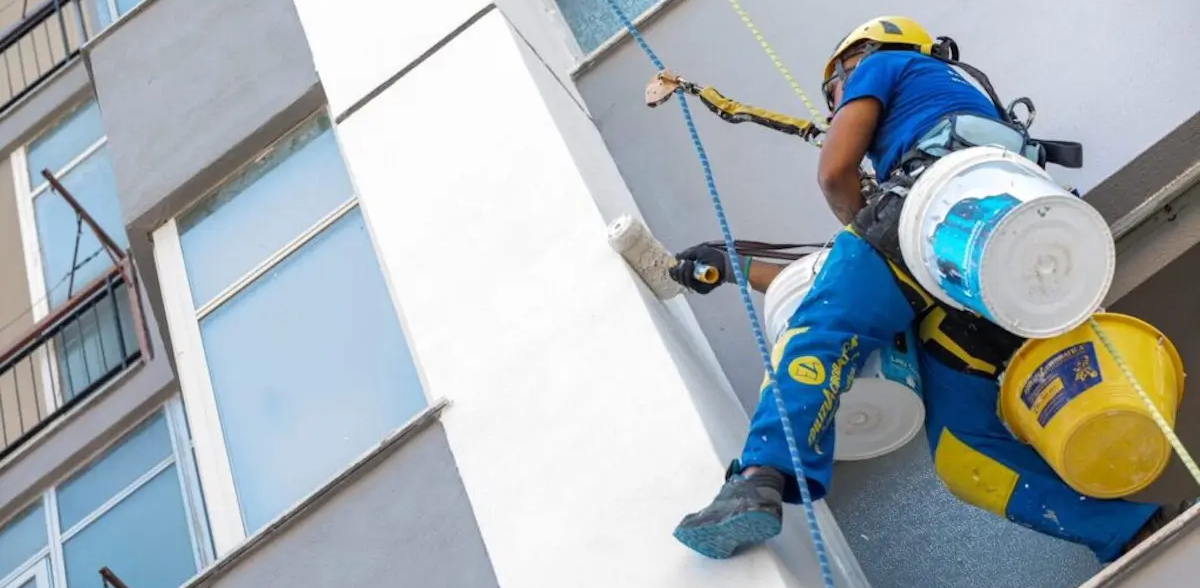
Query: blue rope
[743, 287]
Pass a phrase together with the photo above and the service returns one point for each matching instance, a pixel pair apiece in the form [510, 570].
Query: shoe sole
[721, 540]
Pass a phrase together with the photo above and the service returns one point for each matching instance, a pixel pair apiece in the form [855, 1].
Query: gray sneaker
[746, 511]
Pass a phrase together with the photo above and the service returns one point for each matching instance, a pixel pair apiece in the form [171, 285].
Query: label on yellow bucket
[1060, 379]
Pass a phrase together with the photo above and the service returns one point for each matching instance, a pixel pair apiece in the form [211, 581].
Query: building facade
[293, 290]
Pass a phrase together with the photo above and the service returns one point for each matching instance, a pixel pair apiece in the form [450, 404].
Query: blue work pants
[857, 304]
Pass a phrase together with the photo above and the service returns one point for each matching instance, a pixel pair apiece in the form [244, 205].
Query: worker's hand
[684, 272]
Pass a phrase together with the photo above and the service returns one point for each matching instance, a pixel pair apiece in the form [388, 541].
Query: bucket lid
[876, 417]
[1047, 267]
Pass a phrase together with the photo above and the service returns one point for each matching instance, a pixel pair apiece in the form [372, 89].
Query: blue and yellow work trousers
[857, 304]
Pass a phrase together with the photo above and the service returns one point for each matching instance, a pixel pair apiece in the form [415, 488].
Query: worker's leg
[981, 463]
[856, 305]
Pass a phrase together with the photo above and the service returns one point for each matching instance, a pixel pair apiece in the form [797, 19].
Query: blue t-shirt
[916, 91]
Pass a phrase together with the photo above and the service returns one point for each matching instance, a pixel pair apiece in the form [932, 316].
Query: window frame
[562, 30]
[51, 556]
[38, 569]
[112, 10]
[183, 319]
[35, 271]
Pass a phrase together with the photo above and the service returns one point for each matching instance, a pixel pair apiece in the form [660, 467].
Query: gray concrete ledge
[367, 462]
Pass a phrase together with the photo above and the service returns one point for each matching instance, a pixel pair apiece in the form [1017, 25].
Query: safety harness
[878, 221]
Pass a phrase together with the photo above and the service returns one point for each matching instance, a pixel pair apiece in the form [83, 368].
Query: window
[593, 22]
[111, 10]
[130, 506]
[292, 358]
[63, 254]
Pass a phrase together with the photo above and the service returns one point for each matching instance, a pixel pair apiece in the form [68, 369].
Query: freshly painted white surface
[578, 438]
[385, 37]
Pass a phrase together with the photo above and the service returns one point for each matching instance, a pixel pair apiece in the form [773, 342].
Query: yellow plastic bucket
[1067, 397]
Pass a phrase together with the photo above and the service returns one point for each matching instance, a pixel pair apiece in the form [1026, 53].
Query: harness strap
[983, 81]
[1068, 154]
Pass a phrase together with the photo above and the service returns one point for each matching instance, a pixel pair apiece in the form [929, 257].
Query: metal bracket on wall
[110, 579]
[120, 258]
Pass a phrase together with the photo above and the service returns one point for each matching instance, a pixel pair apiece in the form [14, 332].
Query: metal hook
[1031, 112]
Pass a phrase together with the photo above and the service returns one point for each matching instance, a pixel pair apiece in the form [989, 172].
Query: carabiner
[1031, 112]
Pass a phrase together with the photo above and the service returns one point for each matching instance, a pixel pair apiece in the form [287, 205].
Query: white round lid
[788, 290]
[1047, 267]
[876, 417]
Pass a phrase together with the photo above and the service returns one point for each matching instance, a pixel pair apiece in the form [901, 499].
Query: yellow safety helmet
[884, 30]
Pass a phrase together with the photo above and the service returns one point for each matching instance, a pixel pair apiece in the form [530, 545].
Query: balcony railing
[40, 41]
[75, 350]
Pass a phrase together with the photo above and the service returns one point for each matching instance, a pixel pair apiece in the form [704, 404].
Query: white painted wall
[386, 36]
[582, 407]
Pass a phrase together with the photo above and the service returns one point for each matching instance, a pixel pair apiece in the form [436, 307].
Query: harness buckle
[664, 84]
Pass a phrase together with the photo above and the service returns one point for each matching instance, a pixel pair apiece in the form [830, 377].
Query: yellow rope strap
[818, 116]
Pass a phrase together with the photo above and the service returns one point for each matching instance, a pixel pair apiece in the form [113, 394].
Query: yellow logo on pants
[777, 356]
[840, 380]
[807, 370]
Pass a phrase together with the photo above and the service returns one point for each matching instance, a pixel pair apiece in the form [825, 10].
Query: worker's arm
[762, 273]
[863, 100]
[846, 144]
[759, 274]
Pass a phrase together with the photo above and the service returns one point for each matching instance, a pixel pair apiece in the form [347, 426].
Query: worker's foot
[1165, 515]
[748, 510]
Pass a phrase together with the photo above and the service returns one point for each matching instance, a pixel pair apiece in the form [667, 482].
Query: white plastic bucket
[882, 410]
[987, 230]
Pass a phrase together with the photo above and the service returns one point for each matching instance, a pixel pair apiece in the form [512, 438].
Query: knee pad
[972, 476]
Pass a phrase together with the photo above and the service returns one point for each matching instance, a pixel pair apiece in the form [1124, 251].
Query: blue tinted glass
[21, 538]
[144, 540]
[124, 6]
[266, 208]
[93, 185]
[114, 471]
[106, 16]
[594, 22]
[66, 141]
[310, 370]
[94, 346]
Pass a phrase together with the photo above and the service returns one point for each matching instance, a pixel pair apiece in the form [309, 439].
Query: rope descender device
[663, 86]
[666, 83]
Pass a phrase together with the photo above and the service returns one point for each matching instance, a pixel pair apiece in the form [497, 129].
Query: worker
[894, 97]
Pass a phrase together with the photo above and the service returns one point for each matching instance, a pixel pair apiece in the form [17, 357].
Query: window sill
[598, 54]
[364, 464]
